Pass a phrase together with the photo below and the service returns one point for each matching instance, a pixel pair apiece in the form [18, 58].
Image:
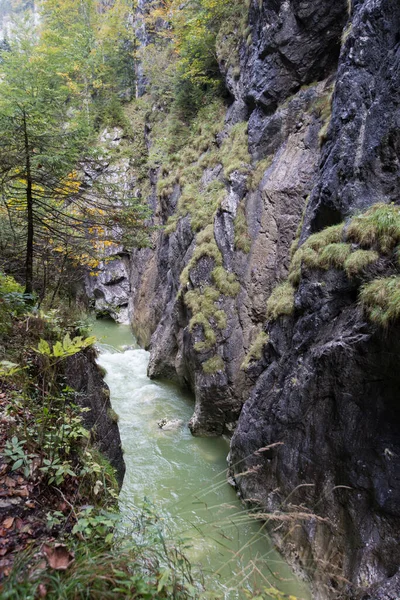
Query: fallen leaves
[58, 556]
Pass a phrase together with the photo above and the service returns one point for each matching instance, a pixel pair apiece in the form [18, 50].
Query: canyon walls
[274, 329]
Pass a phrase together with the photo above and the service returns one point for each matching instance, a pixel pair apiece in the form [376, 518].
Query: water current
[185, 477]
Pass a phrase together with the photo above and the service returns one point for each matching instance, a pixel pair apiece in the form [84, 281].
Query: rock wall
[318, 89]
[83, 375]
[327, 388]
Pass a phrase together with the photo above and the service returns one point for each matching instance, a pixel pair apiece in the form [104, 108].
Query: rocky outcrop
[84, 376]
[324, 405]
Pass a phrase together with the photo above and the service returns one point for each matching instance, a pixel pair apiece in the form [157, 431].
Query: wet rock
[170, 424]
[83, 375]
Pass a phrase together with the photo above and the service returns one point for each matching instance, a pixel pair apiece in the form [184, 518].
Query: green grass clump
[310, 253]
[380, 299]
[255, 352]
[305, 255]
[334, 255]
[257, 174]
[234, 153]
[379, 226]
[359, 260]
[207, 314]
[213, 365]
[209, 249]
[281, 301]
[225, 282]
[329, 235]
[242, 237]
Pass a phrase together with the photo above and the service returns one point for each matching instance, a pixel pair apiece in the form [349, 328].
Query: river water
[185, 477]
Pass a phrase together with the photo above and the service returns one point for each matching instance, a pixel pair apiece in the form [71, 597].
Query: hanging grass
[358, 261]
[255, 352]
[213, 365]
[281, 301]
[379, 226]
[380, 299]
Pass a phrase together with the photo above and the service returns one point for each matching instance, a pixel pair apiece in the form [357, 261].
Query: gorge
[222, 176]
[309, 140]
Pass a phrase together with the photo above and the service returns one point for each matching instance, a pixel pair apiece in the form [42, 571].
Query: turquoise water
[185, 477]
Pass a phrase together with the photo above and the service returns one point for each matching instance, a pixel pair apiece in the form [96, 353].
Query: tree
[42, 137]
[46, 135]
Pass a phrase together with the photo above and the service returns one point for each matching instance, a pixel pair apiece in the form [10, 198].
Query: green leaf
[163, 580]
[17, 464]
[58, 349]
[43, 348]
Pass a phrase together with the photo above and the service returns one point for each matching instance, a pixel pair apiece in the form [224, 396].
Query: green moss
[359, 260]
[379, 226]
[213, 365]
[255, 352]
[225, 282]
[281, 301]
[334, 255]
[380, 299]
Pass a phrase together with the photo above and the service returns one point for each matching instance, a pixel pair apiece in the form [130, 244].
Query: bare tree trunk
[29, 213]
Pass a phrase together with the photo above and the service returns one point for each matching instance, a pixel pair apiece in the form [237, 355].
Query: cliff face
[84, 376]
[328, 381]
[285, 93]
[309, 140]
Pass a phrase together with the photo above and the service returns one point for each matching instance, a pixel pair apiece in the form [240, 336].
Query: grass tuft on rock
[358, 261]
[334, 255]
[281, 301]
[255, 352]
[225, 282]
[380, 299]
[213, 365]
[242, 237]
[257, 174]
[379, 226]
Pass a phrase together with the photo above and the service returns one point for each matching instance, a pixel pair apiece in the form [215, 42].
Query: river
[185, 477]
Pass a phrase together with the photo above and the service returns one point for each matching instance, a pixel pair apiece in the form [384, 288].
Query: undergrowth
[74, 549]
